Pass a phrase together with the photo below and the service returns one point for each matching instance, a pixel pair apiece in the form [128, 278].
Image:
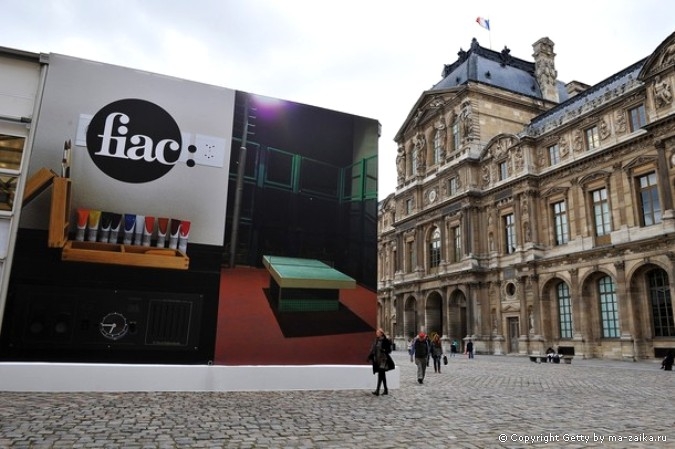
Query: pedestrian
[381, 360]
[436, 352]
[469, 349]
[410, 349]
[454, 348]
[421, 354]
[667, 363]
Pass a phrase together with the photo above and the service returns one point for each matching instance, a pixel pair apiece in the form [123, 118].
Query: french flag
[485, 23]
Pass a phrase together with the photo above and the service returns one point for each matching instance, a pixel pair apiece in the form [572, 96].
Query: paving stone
[469, 405]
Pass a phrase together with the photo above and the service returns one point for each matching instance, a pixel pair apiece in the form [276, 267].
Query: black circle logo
[134, 141]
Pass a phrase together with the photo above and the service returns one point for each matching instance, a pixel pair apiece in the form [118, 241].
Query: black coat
[386, 349]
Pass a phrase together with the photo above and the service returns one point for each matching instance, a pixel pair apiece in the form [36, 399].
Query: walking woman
[381, 360]
[436, 352]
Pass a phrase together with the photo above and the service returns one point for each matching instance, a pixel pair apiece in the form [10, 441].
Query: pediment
[601, 174]
[499, 145]
[639, 161]
[663, 57]
[425, 109]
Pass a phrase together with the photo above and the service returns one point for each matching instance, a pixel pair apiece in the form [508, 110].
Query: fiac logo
[134, 141]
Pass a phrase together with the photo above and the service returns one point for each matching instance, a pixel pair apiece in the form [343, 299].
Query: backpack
[421, 348]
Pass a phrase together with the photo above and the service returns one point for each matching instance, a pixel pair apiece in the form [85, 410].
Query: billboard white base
[79, 377]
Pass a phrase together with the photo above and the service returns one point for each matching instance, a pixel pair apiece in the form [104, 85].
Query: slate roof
[617, 84]
[498, 69]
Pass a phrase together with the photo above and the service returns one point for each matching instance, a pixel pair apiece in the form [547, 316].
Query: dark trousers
[381, 380]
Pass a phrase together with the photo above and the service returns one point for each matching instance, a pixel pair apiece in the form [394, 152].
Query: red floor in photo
[250, 332]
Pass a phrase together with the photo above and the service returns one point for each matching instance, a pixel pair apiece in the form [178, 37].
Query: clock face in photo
[113, 326]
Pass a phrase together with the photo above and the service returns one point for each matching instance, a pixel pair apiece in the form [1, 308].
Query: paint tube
[93, 223]
[138, 230]
[174, 230]
[129, 222]
[106, 223]
[162, 229]
[82, 217]
[115, 224]
[148, 229]
[183, 236]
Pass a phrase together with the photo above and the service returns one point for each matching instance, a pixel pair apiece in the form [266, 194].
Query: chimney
[544, 69]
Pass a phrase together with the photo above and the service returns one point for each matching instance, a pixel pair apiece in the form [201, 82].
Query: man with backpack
[420, 350]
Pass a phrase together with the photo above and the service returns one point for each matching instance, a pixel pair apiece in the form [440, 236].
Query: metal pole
[240, 188]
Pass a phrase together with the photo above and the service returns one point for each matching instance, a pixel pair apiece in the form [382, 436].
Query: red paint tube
[162, 229]
[173, 233]
[183, 236]
[82, 218]
[148, 230]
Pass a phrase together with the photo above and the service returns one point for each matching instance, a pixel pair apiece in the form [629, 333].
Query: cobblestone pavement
[487, 402]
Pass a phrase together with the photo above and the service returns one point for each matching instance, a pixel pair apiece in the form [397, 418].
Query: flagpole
[490, 34]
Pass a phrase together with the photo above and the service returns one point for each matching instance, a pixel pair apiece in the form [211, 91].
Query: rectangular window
[601, 212]
[592, 138]
[408, 206]
[609, 310]
[409, 256]
[554, 155]
[564, 310]
[509, 234]
[457, 244]
[503, 170]
[637, 117]
[435, 249]
[560, 223]
[455, 136]
[649, 199]
[453, 186]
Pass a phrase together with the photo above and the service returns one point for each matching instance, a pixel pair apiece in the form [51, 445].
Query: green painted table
[305, 284]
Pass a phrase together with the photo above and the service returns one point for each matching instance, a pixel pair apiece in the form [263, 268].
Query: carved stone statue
[400, 163]
[662, 93]
[420, 144]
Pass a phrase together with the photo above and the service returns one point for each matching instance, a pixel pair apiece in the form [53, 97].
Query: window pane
[560, 220]
[649, 199]
[509, 234]
[601, 212]
[554, 154]
[637, 117]
[564, 310]
[435, 249]
[662, 307]
[609, 312]
[592, 138]
[457, 239]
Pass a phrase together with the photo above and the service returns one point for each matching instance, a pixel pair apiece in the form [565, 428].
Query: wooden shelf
[59, 217]
[92, 252]
[37, 183]
[130, 255]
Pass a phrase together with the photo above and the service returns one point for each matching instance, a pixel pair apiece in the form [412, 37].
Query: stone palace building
[530, 213]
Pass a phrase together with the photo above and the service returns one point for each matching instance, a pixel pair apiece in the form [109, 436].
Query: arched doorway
[433, 314]
[409, 317]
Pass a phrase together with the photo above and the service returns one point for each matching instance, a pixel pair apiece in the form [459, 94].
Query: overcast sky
[372, 58]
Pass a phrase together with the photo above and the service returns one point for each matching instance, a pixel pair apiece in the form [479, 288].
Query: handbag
[445, 360]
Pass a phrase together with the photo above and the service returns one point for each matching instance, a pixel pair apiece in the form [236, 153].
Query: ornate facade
[530, 213]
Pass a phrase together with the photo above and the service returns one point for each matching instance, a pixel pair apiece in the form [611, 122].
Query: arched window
[435, 248]
[564, 310]
[662, 306]
[609, 311]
